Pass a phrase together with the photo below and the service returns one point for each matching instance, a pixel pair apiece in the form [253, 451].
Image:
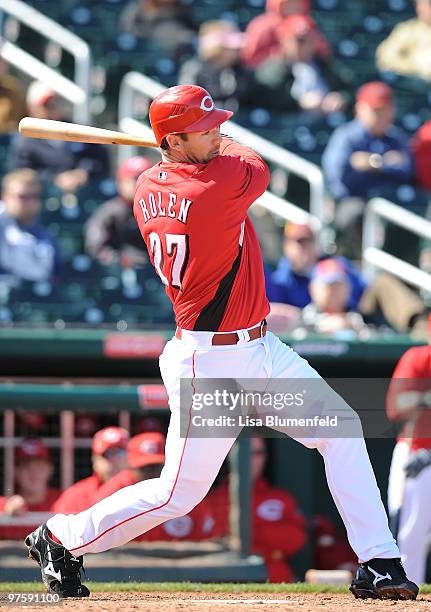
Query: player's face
[111, 463]
[200, 147]
[32, 476]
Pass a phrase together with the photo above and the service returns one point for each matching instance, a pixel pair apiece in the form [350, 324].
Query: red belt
[234, 337]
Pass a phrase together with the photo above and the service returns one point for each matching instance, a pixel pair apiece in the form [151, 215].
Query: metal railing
[77, 91]
[375, 258]
[135, 82]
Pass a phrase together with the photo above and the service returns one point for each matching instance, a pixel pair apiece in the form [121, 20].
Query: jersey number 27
[177, 248]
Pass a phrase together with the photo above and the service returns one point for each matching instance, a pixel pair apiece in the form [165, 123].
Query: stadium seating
[94, 294]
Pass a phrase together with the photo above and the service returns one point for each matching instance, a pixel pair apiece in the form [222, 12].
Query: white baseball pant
[192, 463]
[415, 515]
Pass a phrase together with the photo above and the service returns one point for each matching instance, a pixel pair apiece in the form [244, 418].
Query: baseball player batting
[191, 209]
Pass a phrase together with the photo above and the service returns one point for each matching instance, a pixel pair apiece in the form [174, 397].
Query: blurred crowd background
[343, 85]
[346, 87]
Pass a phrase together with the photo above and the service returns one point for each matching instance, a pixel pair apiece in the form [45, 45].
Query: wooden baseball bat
[61, 130]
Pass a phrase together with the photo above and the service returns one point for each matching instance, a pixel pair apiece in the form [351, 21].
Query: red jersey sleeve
[245, 172]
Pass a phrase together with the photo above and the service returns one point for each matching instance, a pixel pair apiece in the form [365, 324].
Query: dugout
[37, 363]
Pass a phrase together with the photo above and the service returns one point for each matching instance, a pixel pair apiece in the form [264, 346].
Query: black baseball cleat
[61, 571]
[383, 579]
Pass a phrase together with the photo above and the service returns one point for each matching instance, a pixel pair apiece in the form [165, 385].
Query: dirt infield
[223, 602]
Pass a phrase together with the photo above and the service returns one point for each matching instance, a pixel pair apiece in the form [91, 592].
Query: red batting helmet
[184, 108]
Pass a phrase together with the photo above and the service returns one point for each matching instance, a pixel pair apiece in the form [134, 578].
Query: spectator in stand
[407, 49]
[300, 80]
[261, 38]
[146, 457]
[385, 301]
[409, 500]
[111, 233]
[278, 528]
[69, 165]
[421, 145]
[27, 251]
[168, 24]
[330, 291]
[289, 283]
[218, 67]
[108, 457]
[365, 157]
[33, 471]
[12, 103]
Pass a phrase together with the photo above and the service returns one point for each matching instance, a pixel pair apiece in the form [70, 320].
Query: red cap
[32, 448]
[133, 167]
[146, 449]
[109, 437]
[296, 25]
[296, 231]
[184, 109]
[376, 94]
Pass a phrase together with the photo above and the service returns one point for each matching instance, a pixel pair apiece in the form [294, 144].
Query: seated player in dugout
[278, 525]
[192, 210]
[33, 471]
[146, 457]
[108, 458]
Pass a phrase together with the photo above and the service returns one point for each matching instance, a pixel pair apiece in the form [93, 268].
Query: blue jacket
[343, 181]
[285, 286]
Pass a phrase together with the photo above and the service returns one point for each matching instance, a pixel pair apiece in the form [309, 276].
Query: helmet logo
[207, 104]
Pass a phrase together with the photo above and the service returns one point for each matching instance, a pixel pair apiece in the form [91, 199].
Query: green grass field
[191, 587]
